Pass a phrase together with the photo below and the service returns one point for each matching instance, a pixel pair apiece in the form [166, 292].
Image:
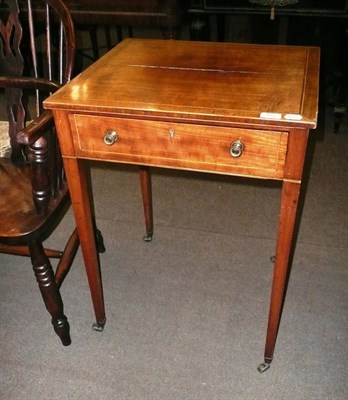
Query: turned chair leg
[50, 291]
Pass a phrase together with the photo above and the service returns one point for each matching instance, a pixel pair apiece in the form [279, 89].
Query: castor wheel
[263, 367]
[272, 259]
[148, 237]
[98, 326]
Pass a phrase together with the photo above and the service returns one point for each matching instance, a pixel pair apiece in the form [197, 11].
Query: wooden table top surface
[200, 81]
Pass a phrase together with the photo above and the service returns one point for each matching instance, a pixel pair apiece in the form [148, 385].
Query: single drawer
[177, 145]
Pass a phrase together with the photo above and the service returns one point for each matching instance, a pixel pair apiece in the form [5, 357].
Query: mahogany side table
[233, 109]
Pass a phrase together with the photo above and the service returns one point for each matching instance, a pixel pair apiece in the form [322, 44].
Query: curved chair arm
[23, 82]
[32, 132]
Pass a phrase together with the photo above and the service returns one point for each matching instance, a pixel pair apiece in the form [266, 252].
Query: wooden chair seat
[16, 204]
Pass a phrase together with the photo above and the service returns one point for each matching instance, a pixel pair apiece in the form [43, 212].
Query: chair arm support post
[40, 175]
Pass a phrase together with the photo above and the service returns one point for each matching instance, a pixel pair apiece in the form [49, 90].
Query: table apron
[181, 145]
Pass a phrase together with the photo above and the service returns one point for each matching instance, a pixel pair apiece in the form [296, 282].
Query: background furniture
[34, 194]
[88, 15]
[182, 105]
[201, 13]
[321, 23]
[166, 14]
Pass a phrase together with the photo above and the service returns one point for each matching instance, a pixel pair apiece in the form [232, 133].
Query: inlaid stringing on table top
[234, 109]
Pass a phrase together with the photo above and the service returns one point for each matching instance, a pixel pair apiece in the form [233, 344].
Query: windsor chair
[36, 58]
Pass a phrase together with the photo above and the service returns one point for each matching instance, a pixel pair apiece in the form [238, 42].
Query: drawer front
[197, 147]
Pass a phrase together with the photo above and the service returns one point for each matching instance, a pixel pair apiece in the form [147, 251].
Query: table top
[216, 82]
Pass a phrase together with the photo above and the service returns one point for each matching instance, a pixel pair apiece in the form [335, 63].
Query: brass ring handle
[236, 148]
[110, 138]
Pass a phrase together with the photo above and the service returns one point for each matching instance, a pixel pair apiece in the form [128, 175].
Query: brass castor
[263, 367]
[98, 326]
[148, 237]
